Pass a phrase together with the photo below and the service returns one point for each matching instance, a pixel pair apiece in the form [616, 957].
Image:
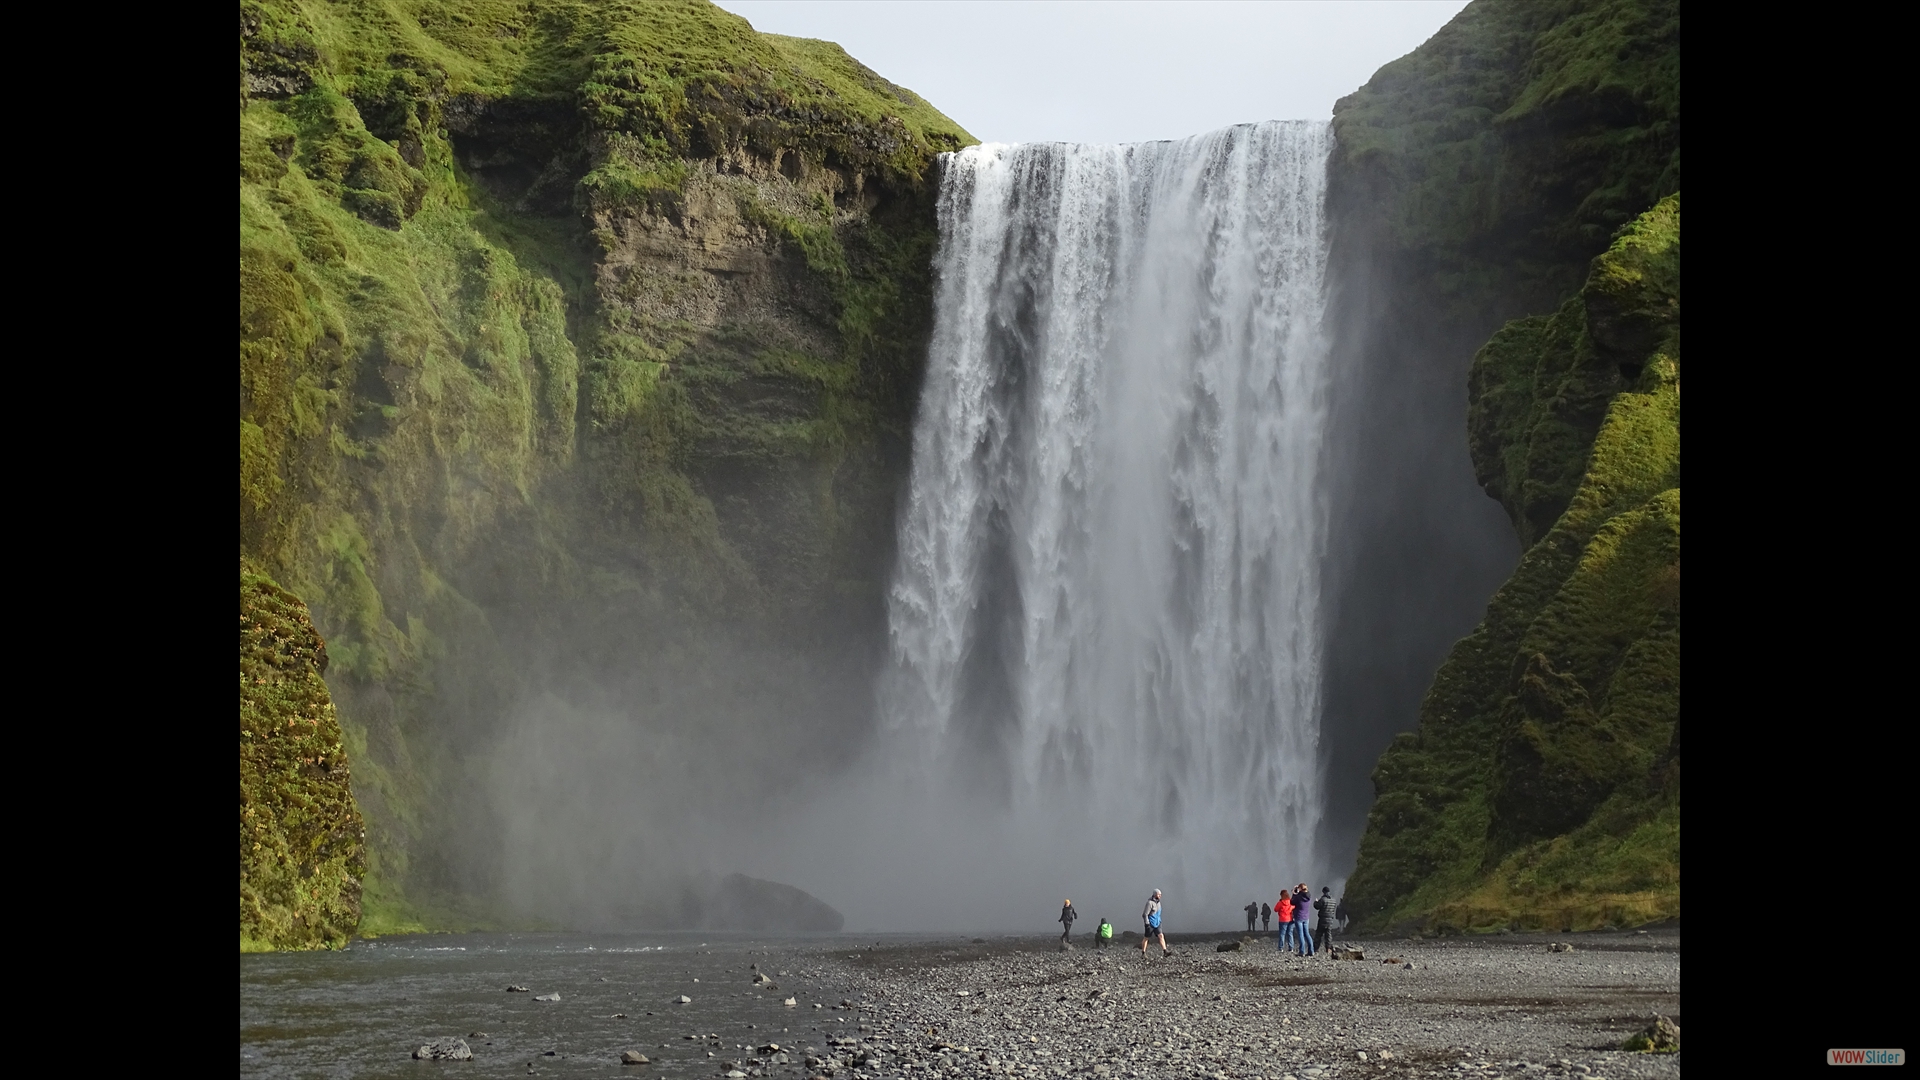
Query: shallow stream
[363, 1011]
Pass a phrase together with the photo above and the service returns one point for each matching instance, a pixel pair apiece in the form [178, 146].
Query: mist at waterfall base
[1104, 655]
[1105, 618]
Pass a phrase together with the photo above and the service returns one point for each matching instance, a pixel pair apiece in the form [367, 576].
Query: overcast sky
[1107, 71]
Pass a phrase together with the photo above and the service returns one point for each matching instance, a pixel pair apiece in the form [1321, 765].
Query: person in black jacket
[1067, 915]
[1327, 910]
[1252, 910]
[1303, 938]
[1266, 917]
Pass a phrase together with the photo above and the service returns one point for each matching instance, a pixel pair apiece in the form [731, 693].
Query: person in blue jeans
[1302, 901]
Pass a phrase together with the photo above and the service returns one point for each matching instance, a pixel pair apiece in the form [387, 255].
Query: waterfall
[1105, 616]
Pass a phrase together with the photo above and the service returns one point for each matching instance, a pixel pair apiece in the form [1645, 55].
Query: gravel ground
[1501, 1006]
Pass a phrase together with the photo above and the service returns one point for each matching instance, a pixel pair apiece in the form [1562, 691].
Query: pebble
[1032, 1013]
[1041, 1014]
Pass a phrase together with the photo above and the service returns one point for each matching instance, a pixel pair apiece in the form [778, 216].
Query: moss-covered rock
[1495, 160]
[573, 338]
[1542, 787]
[302, 843]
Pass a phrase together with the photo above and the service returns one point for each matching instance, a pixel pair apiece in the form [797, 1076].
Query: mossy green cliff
[1542, 789]
[1484, 169]
[302, 843]
[1471, 182]
[573, 337]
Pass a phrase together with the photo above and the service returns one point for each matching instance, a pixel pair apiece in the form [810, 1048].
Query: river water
[361, 1012]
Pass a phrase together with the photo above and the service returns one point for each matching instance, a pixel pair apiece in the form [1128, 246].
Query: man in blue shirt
[1151, 916]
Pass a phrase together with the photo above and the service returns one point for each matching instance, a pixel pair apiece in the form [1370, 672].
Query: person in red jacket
[1283, 914]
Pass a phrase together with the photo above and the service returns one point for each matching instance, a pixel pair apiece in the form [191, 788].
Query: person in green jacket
[1103, 937]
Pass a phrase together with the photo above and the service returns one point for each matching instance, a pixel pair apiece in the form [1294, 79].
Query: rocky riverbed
[1503, 1006]
[913, 1007]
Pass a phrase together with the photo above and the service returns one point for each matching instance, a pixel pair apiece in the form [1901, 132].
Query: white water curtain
[1106, 610]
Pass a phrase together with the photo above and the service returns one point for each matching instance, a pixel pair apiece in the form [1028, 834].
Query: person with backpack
[1103, 937]
[1327, 907]
[1151, 916]
[1067, 915]
[1283, 914]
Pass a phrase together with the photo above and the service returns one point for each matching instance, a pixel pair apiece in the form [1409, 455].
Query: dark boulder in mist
[738, 902]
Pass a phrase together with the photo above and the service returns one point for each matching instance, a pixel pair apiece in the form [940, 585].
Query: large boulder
[1660, 1037]
[739, 902]
[444, 1050]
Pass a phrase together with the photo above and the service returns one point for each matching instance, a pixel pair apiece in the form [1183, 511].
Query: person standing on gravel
[1266, 917]
[1302, 901]
[1103, 937]
[1326, 906]
[1067, 915]
[1151, 916]
[1283, 914]
[1252, 910]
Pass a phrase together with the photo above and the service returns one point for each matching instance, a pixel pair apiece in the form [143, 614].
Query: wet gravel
[1504, 1006]
[911, 1007]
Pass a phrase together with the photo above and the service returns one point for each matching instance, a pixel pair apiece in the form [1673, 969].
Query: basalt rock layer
[574, 340]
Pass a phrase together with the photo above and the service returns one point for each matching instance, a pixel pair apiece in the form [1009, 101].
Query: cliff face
[1542, 789]
[1499, 170]
[1472, 181]
[1488, 166]
[574, 342]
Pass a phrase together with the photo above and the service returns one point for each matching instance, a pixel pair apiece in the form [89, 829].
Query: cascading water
[1105, 618]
